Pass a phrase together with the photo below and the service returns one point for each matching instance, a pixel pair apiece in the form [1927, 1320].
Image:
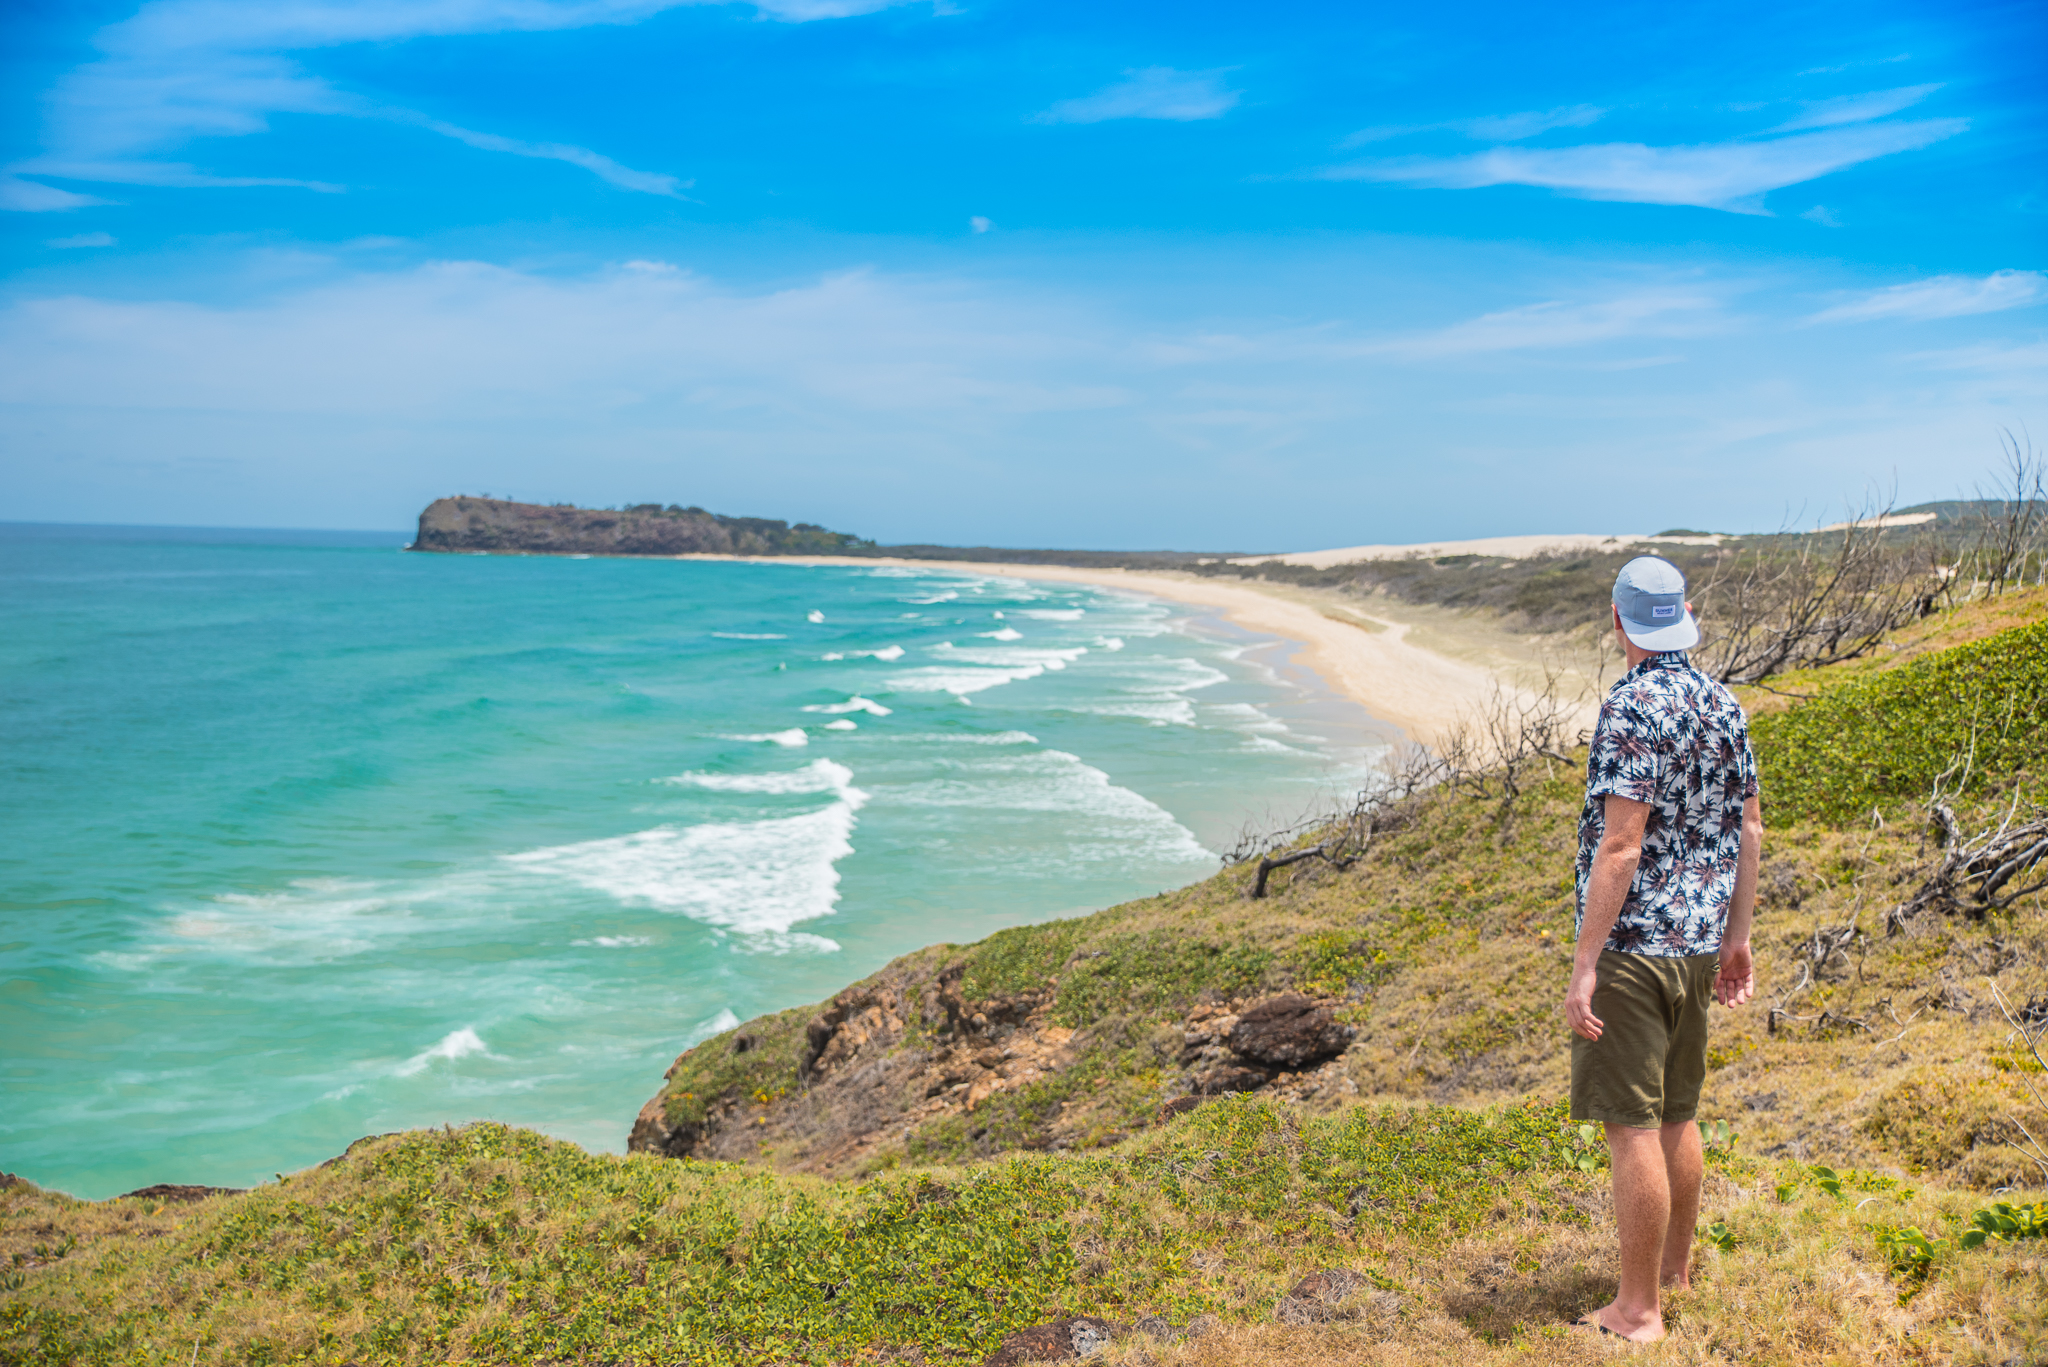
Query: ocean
[307, 838]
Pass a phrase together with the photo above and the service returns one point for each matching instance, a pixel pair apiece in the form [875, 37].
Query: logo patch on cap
[1664, 610]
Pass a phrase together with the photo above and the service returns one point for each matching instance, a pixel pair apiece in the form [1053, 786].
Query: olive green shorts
[1647, 1067]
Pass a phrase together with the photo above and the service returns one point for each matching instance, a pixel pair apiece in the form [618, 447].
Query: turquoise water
[306, 838]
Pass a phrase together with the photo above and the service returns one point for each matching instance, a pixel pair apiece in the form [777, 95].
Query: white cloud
[918, 406]
[1847, 109]
[603, 167]
[33, 197]
[1941, 296]
[1153, 92]
[1729, 175]
[980, 224]
[183, 69]
[1649, 313]
[1515, 127]
[1821, 214]
[82, 240]
[1490, 127]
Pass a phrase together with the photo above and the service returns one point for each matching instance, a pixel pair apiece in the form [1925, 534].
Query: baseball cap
[1650, 594]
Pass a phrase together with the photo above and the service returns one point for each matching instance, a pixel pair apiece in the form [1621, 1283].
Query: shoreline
[1366, 657]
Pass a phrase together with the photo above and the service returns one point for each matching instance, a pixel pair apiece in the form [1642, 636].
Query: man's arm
[1614, 868]
[1736, 981]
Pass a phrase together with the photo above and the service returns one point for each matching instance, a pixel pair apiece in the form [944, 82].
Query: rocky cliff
[500, 527]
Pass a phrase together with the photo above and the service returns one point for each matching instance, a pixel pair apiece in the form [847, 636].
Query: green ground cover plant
[1883, 740]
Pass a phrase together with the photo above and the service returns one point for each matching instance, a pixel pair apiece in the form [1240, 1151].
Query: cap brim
[1683, 635]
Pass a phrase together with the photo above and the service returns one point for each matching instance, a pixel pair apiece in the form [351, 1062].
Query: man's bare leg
[1684, 1167]
[1642, 1210]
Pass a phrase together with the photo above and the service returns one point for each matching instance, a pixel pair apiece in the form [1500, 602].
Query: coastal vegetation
[1320, 1126]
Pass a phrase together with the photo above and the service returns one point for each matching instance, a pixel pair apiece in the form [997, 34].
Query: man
[1668, 848]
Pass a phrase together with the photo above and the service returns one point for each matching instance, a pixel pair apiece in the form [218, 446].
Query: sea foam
[753, 878]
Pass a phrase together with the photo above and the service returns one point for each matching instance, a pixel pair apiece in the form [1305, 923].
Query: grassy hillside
[973, 1141]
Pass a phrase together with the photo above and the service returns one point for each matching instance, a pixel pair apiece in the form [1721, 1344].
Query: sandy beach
[1420, 670]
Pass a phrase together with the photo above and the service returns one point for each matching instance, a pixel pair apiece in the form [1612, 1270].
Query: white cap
[1650, 595]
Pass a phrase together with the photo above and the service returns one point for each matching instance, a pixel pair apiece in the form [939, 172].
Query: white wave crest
[886, 653]
[1116, 824]
[750, 636]
[755, 878]
[856, 703]
[1006, 634]
[819, 776]
[1056, 614]
[796, 735]
[843, 724]
[453, 1045]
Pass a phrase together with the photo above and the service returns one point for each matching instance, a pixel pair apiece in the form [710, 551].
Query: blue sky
[1132, 275]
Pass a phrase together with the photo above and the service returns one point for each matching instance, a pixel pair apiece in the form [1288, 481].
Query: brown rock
[1229, 1078]
[1068, 1340]
[1319, 1298]
[1180, 1105]
[1288, 1031]
[178, 1191]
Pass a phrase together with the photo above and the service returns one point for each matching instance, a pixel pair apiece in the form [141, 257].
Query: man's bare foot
[1611, 1320]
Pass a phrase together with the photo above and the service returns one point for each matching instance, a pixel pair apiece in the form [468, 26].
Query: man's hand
[1736, 982]
[1578, 1003]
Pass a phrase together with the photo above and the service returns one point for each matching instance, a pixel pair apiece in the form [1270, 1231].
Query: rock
[1069, 1340]
[1288, 1031]
[1180, 1105]
[1317, 1297]
[178, 1191]
[1229, 1078]
[1158, 1327]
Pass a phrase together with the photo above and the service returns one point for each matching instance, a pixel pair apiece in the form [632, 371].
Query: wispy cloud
[184, 69]
[1153, 92]
[82, 240]
[34, 197]
[1856, 108]
[1941, 296]
[1726, 175]
[1489, 128]
[1556, 324]
[599, 165]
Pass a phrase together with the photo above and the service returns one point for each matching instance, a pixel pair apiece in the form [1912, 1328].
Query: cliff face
[931, 1057]
[497, 526]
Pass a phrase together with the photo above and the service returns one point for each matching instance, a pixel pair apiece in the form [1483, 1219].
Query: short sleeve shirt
[1672, 738]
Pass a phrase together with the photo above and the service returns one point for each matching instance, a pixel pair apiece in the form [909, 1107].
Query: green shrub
[1877, 741]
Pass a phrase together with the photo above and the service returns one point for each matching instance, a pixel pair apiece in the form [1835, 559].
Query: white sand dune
[1509, 547]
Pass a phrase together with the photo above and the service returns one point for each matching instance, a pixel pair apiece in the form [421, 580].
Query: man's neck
[1635, 653]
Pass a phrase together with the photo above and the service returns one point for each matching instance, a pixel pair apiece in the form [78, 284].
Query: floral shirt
[1671, 737]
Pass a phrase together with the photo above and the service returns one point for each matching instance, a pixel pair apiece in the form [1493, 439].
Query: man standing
[1668, 848]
